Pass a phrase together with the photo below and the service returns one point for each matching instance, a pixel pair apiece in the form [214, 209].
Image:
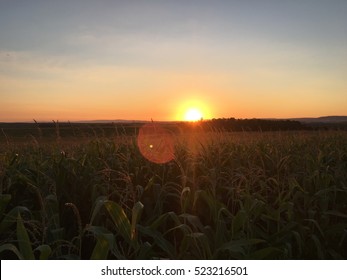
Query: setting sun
[192, 115]
[194, 108]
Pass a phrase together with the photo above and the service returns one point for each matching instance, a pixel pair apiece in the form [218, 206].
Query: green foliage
[24, 243]
[224, 196]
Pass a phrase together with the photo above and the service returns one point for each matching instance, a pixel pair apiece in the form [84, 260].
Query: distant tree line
[67, 129]
[327, 126]
[232, 124]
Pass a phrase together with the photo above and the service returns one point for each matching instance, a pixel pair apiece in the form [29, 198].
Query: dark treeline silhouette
[327, 126]
[232, 124]
[53, 130]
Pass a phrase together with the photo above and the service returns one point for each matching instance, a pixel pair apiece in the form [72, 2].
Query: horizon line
[167, 121]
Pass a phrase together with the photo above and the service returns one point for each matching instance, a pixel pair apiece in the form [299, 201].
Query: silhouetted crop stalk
[79, 223]
[43, 210]
[57, 131]
[6, 137]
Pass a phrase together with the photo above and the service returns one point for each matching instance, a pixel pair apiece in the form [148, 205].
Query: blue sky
[74, 60]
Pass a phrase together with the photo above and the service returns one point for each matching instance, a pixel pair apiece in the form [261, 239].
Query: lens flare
[155, 143]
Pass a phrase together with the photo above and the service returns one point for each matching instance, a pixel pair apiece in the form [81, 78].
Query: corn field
[254, 195]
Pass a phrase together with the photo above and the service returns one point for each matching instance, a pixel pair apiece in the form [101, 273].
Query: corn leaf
[136, 214]
[11, 217]
[23, 240]
[4, 200]
[45, 251]
[11, 248]
[119, 219]
[105, 242]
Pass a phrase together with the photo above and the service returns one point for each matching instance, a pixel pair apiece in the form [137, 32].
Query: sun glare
[193, 115]
[193, 109]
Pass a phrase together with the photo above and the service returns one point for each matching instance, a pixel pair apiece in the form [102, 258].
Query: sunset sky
[137, 60]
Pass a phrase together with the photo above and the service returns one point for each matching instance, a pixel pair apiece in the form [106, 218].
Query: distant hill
[326, 119]
[319, 120]
[110, 121]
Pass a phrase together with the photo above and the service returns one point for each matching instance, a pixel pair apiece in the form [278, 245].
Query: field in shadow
[87, 192]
